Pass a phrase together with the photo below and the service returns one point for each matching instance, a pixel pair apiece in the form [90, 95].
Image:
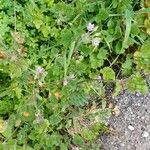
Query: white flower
[96, 42]
[39, 71]
[90, 27]
[72, 77]
[39, 118]
[99, 77]
[65, 82]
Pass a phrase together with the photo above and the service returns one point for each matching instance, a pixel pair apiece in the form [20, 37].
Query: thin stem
[65, 66]
[15, 15]
[10, 135]
[115, 15]
[114, 60]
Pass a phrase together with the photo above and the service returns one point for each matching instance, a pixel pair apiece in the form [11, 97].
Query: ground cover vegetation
[57, 58]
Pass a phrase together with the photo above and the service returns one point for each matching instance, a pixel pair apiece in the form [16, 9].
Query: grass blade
[128, 16]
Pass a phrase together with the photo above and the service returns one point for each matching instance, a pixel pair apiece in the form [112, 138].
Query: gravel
[132, 126]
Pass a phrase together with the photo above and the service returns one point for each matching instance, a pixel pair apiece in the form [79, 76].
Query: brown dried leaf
[147, 3]
[58, 95]
[116, 111]
[3, 55]
[110, 105]
[22, 51]
[18, 37]
[3, 125]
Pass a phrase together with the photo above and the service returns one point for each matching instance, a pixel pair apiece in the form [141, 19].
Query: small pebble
[139, 104]
[145, 134]
[130, 127]
[142, 118]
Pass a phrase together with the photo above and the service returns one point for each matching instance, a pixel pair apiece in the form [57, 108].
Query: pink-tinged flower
[39, 71]
[90, 27]
[96, 42]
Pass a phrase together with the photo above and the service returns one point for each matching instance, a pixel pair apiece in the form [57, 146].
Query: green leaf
[135, 29]
[63, 147]
[79, 98]
[55, 119]
[78, 140]
[103, 14]
[118, 88]
[127, 66]
[37, 23]
[50, 2]
[137, 83]
[53, 140]
[142, 57]
[99, 128]
[45, 29]
[102, 55]
[108, 73]
[66, 37]
[85, 49]
[88, 134]
[6, 106]
[72, 47]
[118, 47]
[97, 60]
[128, 17]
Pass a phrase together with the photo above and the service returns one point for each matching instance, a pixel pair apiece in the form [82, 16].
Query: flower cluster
[95, 41]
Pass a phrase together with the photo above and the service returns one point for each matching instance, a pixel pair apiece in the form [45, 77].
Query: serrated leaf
[127, 66]
[102, 55]
[103, 14]
[78, 140]
[53, 140]
[95, 61]
[45, 30]
[137, 83]
[142, 57]
[37, 23]
[63, 146]
[118, 88]
[88, 134]
[79, 99]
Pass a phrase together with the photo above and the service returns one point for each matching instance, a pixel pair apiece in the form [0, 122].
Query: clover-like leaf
[108, 73]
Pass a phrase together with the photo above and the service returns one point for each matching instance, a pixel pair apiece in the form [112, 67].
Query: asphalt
[131, 126]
